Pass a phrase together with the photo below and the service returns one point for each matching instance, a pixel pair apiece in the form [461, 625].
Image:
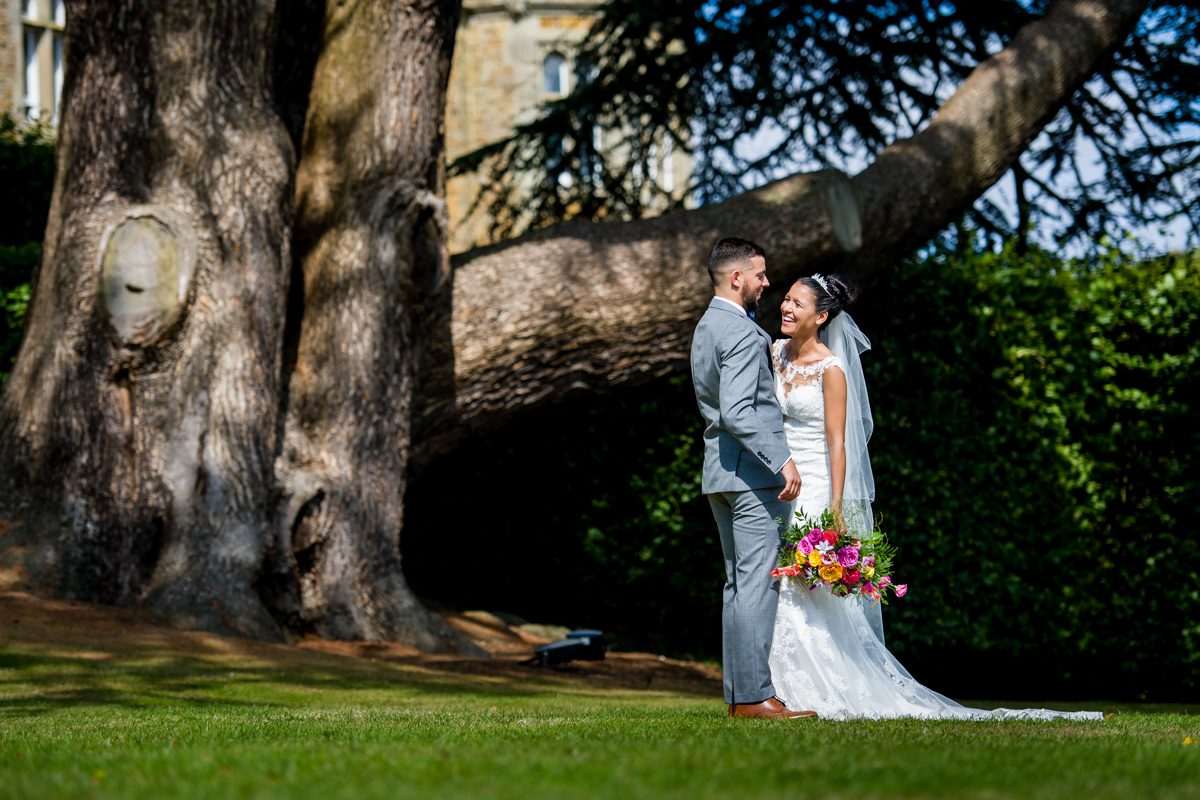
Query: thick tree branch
[583, 307]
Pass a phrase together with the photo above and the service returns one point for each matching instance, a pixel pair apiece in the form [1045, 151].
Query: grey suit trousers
[744, 452]
[750, 543]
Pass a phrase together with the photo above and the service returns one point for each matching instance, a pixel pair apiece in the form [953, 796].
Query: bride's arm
[835, 436]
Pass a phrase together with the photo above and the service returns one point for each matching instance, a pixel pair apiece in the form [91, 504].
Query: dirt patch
[100, 633]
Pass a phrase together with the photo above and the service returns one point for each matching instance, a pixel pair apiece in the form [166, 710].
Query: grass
[226, 719]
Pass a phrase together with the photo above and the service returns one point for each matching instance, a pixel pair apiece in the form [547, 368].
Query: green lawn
[279, 722]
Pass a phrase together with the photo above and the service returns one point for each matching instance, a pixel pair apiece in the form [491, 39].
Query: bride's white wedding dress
[828, 653]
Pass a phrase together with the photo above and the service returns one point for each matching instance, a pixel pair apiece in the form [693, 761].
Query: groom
[748, 476]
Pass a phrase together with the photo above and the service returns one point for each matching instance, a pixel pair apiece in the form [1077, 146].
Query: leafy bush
[27, 162]
[1033, 425]
[1034, 421]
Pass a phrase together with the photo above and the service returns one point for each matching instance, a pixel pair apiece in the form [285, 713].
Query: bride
[828, 652]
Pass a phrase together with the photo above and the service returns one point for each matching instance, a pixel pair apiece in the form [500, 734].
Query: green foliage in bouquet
[799, 526]
[867, 571]
[801, 523]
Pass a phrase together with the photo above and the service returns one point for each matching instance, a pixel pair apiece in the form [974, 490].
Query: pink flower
[885, 581]
[868, 587]
[829, 557]
[851, 577]
[848, 556]
[804, 546]
[901, 589]
[815, 536]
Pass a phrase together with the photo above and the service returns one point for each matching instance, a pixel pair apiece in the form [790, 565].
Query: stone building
[32, 58]
[509, 58]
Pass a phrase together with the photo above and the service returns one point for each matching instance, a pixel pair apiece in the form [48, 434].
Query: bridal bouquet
[816, 553]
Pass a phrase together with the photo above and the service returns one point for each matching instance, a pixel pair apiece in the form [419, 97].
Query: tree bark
[371, 252]
[587, 307]
[138, 426]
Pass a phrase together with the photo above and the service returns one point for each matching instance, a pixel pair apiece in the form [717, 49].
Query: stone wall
[496, 83]
[11, 85]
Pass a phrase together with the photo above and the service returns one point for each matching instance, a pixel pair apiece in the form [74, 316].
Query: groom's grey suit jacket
[744, 445]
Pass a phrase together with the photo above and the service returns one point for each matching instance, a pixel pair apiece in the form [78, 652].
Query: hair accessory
[820, 279]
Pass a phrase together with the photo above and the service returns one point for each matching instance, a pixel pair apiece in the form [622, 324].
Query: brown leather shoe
[771, 708]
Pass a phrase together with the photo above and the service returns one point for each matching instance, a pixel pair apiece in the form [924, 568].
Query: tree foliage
[27, 161]
[757, 90]
[1036, 427]
[1033, 429]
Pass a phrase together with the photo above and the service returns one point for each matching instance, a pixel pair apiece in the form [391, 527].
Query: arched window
[555, 75]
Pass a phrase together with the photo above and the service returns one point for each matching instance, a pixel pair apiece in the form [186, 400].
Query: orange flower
[831, 573]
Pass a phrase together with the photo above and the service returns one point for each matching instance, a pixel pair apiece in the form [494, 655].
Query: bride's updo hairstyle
[835, 293]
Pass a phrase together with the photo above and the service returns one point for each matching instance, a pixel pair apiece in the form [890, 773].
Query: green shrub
[26, 162]
[1035, 452]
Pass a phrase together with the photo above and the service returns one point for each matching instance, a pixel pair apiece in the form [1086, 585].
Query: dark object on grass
[581, 645]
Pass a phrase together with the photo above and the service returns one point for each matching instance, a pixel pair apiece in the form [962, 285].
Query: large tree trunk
[166, 438]
[138, 427]
[370, 245]
[585, 307]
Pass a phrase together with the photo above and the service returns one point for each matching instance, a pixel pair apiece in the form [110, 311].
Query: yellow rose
[869, 572]
[814, 559]
[831, 573]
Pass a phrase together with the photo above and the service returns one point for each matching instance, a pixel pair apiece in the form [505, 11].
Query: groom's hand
[791, 487]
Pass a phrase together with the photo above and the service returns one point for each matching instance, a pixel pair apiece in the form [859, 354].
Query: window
[43, 23]
[58, 75]
[33, 77]
[555, 75]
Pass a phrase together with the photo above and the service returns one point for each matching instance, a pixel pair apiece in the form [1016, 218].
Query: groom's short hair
[730, 250]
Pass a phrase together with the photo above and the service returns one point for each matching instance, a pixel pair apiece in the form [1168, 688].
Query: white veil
[847, 341]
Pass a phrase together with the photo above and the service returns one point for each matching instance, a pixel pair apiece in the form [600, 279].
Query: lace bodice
[800, 389]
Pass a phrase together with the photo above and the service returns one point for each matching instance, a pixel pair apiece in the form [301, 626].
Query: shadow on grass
[34, 683]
